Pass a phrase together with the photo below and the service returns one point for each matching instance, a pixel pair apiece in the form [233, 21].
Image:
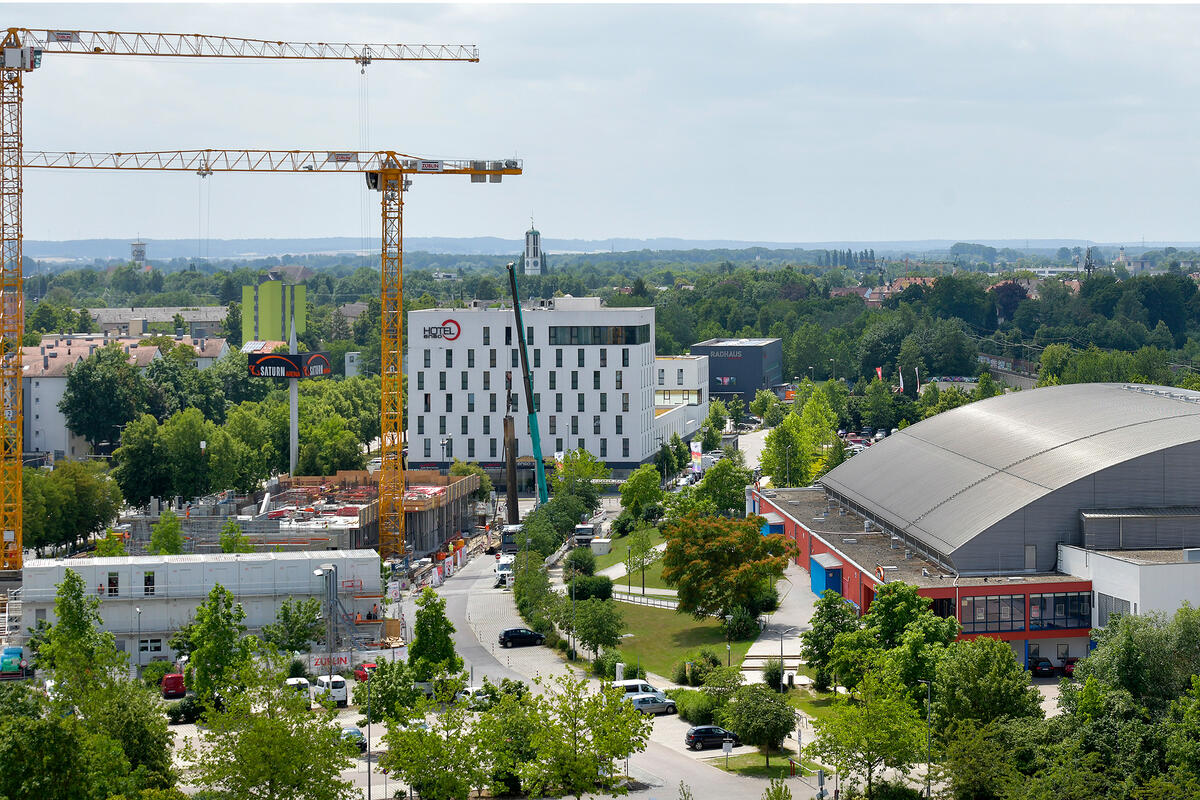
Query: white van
[335, 685]
[638, 686]
[300, 686]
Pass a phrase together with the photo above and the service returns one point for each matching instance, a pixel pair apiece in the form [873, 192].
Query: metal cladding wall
[741, 367]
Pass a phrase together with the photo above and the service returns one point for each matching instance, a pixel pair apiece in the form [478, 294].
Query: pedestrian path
[618, 570]
[780, 637]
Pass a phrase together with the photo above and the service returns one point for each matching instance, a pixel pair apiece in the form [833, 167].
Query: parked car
[301, 686]
[636, 686]
[652, 703]
[362, 673]
[1068, 665]
[355, 736]
[334, 686]
[1041, 667]
[703, 736]
[474, 696]
[173, 685]
[520, 636]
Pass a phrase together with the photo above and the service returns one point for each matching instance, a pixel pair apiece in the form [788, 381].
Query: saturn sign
[448, 330]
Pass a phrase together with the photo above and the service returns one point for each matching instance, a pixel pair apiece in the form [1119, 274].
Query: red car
[363, 672]
[1068, 665]
[172, 685]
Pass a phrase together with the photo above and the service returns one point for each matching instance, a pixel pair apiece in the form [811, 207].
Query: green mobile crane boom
[534, 433]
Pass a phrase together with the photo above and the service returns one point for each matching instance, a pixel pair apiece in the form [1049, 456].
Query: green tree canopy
[641, 490]
[979, 681]
[724, 485]
[166, 535]
[297, 625]
[103, 393]
[219, 650]
[233, 539]
[432, 649]
[761, 717]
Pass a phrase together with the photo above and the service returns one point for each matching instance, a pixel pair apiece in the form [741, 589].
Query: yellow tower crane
[387, 172]
[21, 51]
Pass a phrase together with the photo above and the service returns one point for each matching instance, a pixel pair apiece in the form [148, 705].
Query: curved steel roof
[947, 479]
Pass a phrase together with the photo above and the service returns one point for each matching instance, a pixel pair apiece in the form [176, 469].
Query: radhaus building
[594, 376]
[1030, 517]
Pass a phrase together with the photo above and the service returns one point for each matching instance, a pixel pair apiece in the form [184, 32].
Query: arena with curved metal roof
[996, 485]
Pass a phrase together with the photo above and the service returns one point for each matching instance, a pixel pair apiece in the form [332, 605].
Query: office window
[487, 425]
[558, 357]
[150, 645]
[528, 335]
[470, 448]
[553, 380]
[679, 377]
[492, 357]
[553, 424]
[420, 381]
[582, 444]
[558, 402]
[148, 584]
[427, 403]
[620, 424]
[995, 613]
[487, 335]
[596, 424]
[507, 335]
[449, 449]
[558, 445]
[603, 448]
[428, 448]
[449, 402]
[625, 402]
[596, 379]
[537, 359]
[604, 358]
[516, 358]
[620, 379]
[428, 357]
[487, 380]
[624, 448]
[471, 403]
[624, 356]
[420, 425]
[1060, 610]
[463, 427]
[574, 426]
[464, 380]
[574, 379]
[449, 359]
[470, 359]
[492, 402]
[581, 401]
[661, 379]
[492, 447]
[114, 584]
[581, 357]
[441, 381]
[604, 402]
[442, 425]
[537, 401]
[515, 397]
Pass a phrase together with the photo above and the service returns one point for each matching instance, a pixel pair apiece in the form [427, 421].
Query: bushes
[580, 561]
[605, 667]
[773, 674]
[297, 669]
[765, 600]
[185, 712]
[586, 586]
[624, 524]
[742, 624]
[152, 673]
[695, 706]
[693, 670]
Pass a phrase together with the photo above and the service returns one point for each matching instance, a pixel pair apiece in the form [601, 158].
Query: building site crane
[387, 172]
[21, 51]
[538, 464]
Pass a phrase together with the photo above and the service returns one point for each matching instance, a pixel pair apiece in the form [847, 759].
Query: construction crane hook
[363, 60]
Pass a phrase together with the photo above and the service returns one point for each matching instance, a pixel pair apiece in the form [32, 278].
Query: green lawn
[816, 705]
[661, 638]
[753, 764]
[619, 551]
[633, 583]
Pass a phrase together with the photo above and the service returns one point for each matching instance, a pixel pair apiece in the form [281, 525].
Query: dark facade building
[741, 366]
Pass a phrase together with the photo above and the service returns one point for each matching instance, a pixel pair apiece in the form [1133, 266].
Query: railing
[658, 601]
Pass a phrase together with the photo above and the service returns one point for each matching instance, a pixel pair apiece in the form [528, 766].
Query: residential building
[200, 323]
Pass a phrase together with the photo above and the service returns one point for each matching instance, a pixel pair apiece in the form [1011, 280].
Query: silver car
[651, 703]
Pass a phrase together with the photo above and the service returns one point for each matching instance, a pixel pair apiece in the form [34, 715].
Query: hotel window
[507, 335]
[428, 356]
[625, 402]
[427, 403]
[420, 425]
[603, 448]
[441, 381]
[558, 357]
[558, 402]
[515, 397]
[558, 445]
[624, 448]
[464, 380]
[114, 584]
[492, 402]
[516, 358]
[150, 645]
[574, 379]
[604, 402]
[470, 448]
[449, 448]
[624, 356]
[620, 424]
[581, 356]
[492, 357]
[487, 335]
[596, 424]
[596, 379]
[449, 358]
[553, 424]
[553, 380]
[619, 379]
[604, 358]
[487, 425]
[528, 335]
[662, 377]
[537, 359]
[993, 614]
[449, 402]
[574, 426]
[487, 380]
[679, 377]
[148, 584]
[420, 381]
[492, 447]
[442, 425]
[581, 402]
[428, 448]
[471, 403]
[537, 401]
[464, 426]
[470, 359]
[1060, 611]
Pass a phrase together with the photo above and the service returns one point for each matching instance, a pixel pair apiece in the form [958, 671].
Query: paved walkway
[782, 632]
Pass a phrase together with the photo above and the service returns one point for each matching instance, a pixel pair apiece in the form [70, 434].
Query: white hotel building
[595, 381]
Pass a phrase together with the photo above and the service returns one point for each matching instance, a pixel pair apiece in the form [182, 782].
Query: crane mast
[538, 464]
[21, 51]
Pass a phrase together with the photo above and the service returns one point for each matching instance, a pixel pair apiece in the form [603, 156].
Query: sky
[778, 123]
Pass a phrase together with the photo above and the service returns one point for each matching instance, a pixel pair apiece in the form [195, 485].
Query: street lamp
[138, 667]
[445, 444]
[782, 687]
[368, 736]
[788, 466]
[728, 649]
[329, 573]
[928, 735]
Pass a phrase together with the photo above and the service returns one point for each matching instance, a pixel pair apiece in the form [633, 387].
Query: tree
[895, 607]
[266, 743]
[598, 623]
[233, 540]
[641, 491]
[719, 564]
[394, 691]
[485, 483]
[879, 729]
[218, 649]
[131, 716]
[710, 436]
[579, 736]
[761, 717]
[166, 536]
[50, 758]
[186, 462]
[580, 561]
[504, 732]
[111, 546]
[641, 554]
[579, 468]
[832, 615]
[103, 393]
[83, 657]
[297, 625]
[688, 500]
[777, 790]
[139, 462]
[980, 681]
[879, 410]
[977, 762]
[440, 761]
[682, 453]
[787, 453]
[737, 410]
[664, 460]
[725, 486]
[432, 648]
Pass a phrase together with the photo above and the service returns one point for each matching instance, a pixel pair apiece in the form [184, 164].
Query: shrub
[695, 668]
[184, 712]
[742, 624]
[695, 706]
[680, 675]
[297, 669]
[561, 645]
[652, 513]
[773, 674]
[152, 673]
[580, 561]
[624, 524]
[765, 600]
[605, 665]
[587, 586]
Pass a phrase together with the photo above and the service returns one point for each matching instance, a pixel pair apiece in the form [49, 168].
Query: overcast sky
[779, 123]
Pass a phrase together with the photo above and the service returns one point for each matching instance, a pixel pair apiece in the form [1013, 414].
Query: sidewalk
[796, 604]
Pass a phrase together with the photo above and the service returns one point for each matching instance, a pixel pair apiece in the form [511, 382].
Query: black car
[703, 736]
[1041, 667]
[355, 737]
[519, 636]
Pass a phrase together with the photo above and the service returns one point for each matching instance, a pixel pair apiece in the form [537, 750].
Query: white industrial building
[594, 382]
[168, 589]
